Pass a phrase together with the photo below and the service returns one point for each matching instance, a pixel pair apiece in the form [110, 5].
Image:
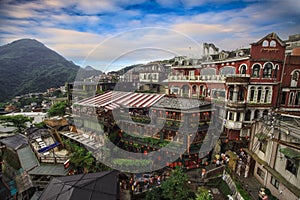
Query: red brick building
[245, 83]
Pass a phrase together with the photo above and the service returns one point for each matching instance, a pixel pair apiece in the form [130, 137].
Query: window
[291, 98]
[267, 94]
[238, 117]
[260, 173]
[297, 99]
[273, 43]
[267, 72]
[259, 94]
[263, 146]
[248, 115]
[231, 94]
[265, 43]
[243, 69]
[230, 115]
[274, 182]
[241, 94]
[256, 71]
[283, 97]
[252, 93]
[291, 166]
[276, 71]
[295, 79]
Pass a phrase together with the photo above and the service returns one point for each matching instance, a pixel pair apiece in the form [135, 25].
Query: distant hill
[27, 65]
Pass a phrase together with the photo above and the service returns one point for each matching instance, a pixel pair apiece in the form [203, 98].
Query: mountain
[88, 71]
[27, 65]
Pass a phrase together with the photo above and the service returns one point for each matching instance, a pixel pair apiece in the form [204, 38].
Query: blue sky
[109, 34]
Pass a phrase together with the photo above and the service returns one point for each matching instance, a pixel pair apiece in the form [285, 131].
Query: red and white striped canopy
[114, 99]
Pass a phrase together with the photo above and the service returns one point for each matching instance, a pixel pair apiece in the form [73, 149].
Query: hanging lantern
[226, 140]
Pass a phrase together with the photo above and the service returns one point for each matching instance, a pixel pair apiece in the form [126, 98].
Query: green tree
[176, 187]
[203, 194]
[80, 158]
[58, 109]
[18, 121]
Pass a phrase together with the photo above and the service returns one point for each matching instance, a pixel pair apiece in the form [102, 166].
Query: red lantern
[236, 139]
[226, 140]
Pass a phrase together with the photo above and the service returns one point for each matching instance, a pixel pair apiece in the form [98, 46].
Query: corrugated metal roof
[48, 169]
[101, 185]
[15, 142]
[27, 158]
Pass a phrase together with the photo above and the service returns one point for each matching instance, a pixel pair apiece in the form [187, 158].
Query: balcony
[236, 104]
[198, 78]
[232, 124]
[237, 78]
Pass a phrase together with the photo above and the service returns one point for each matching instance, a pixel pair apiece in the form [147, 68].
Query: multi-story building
[243, 82]
[149, 122]
[275, 153]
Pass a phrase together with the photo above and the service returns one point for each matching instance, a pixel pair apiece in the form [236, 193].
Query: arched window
[149, 76]
[241, 94]
[201, 91]
[194, 89]
[295, 79]
[267, 95]
[291, 98]
[252, 90]
[155, 77]
[273, 43]
[267, 72]
[265, 43]
[297, 98]
[243, 69]
[248, 115]
[230, 93]
[256, 71]
[259, 91]
[256, 114]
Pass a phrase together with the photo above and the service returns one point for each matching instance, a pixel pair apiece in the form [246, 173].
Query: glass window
[256, 71]
[259, 94]
[267, 93]
[265, 43]
[252, 93]
[260, 173]
[267, 72]
[263, 146]
[291, 166]
[274, 182]
[273, 43]
[283, 97]
[243, 69]
[291, 98]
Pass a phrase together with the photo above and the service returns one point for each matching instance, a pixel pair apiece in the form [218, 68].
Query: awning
[48, 148]
[115, 99]
[290, 153]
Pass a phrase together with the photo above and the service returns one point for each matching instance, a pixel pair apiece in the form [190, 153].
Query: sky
[111, 34]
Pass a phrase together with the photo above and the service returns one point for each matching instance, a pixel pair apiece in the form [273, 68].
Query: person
[203, 173]
[158, 180]
[246, 170]
[238, 171]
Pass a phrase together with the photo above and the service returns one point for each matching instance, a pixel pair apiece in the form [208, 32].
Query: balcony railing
[233, 124]
[213, 78]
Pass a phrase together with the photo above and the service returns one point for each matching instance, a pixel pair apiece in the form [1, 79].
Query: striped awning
[115, 99]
